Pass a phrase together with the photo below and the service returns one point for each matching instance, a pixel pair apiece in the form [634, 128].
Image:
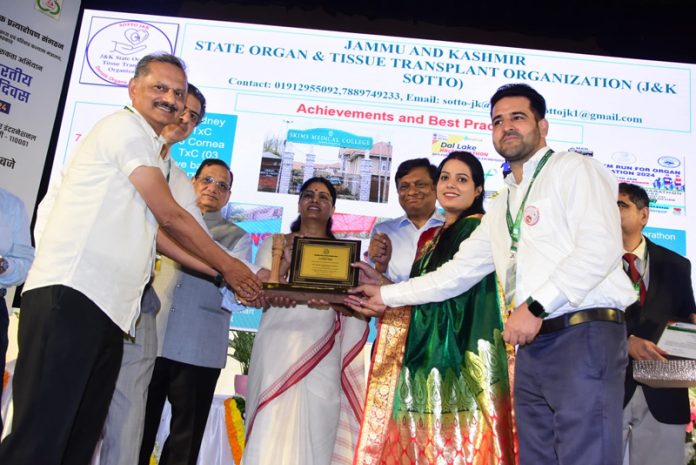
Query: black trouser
[69, 357]
[190, 390]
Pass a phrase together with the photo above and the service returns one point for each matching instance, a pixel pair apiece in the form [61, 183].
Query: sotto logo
[669, 162]
[115, 49]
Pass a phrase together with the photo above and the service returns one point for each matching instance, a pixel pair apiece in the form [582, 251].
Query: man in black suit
[653, 419]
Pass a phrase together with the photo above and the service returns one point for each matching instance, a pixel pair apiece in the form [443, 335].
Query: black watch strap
[535, 308]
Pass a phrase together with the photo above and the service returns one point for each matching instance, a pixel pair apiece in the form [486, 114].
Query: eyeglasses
[320, 196]
[223, 186]
[195, 117]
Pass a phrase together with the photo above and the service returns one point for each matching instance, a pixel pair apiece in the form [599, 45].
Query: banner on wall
[35, 41]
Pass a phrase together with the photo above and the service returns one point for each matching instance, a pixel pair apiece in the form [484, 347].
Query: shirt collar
[437, 217]
[641, 250]
[528, 167]
[146, 126]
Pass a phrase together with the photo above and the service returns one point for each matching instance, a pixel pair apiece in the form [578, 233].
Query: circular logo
[531, 215]
[669, 162]
[115, 49]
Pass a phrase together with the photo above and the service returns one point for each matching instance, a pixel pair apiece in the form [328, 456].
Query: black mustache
[173, 108]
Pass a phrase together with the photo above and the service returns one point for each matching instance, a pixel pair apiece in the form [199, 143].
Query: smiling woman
[305, 366]
[439, 382]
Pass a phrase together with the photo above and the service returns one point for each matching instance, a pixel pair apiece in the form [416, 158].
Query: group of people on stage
[503, 335]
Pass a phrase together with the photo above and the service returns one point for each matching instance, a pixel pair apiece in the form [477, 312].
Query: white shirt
[404, 237]
[96, 234]
[569, 255]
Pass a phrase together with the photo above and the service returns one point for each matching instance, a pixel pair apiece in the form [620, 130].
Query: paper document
[679, 340]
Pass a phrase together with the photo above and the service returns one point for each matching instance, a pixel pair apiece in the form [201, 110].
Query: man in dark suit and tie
[653, 419]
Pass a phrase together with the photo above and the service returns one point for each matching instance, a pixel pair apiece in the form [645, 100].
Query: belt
[582, 316]
[3, 292]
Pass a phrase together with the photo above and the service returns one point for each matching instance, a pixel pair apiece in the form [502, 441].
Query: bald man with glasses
[192, 331]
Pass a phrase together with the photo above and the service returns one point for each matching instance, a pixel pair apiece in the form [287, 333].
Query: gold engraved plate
[325, 262]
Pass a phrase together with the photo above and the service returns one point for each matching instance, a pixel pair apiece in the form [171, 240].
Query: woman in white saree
[306, 376]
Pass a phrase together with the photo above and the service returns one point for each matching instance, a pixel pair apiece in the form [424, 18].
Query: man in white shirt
[553, 236]
[123, 427]
[394, 242]
[94, 255]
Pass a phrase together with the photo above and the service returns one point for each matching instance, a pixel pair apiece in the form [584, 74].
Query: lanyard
[514, 228]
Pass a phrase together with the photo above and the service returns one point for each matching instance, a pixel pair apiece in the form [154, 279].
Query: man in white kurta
[94, 255]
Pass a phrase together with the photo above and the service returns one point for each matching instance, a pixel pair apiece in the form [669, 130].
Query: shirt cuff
[389, 294]
[550, 297]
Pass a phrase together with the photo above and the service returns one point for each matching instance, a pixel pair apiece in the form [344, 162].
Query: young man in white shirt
[554, 239]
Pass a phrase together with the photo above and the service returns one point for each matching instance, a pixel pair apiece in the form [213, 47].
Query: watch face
[3, 264]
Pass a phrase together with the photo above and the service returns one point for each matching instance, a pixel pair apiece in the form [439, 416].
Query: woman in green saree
[439, 391]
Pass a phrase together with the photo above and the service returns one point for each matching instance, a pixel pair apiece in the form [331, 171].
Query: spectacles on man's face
[195, 117]
[319, 196]
[223, 186]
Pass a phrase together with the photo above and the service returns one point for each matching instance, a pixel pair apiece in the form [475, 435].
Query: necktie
[635, 276]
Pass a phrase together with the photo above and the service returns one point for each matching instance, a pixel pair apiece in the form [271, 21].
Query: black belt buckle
[581, 316]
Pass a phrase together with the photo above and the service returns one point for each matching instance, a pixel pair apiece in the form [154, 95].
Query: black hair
[295, 226]
[143, 66]
[636, 194]
[193, 90]
[409, 165]
[211, 162]
[536, 100]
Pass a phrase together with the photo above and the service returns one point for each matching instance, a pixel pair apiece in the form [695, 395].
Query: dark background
[647, 29]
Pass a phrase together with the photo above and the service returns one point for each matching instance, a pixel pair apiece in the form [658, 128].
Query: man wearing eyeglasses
[415, 183]
[192, 331]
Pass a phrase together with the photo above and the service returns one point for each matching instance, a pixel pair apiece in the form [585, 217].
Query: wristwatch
[535, 308]
[4, 264]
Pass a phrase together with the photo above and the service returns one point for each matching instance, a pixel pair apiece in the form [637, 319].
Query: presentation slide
[286, 104]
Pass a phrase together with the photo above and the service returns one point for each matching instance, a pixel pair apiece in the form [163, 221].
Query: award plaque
[319, 269]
